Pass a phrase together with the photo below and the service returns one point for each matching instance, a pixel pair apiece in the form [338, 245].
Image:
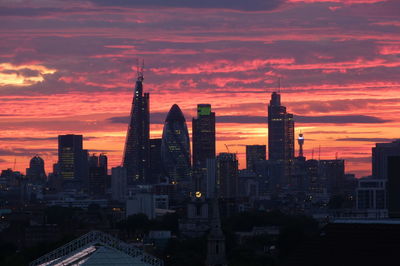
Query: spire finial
[139, 69]
[279, 85]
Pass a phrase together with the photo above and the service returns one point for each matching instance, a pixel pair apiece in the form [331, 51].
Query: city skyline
[75, 75]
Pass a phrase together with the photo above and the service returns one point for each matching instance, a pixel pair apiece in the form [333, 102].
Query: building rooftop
[366, 221]
[97, 249]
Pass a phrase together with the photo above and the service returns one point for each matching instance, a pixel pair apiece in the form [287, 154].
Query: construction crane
[227, 148]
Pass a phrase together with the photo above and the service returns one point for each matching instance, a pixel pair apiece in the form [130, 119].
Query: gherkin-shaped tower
[175, 147]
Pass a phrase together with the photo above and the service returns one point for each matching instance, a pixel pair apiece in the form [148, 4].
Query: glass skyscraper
[203, 130]
[136, 152]
[175, 147]
[280, 137]
[71, 157]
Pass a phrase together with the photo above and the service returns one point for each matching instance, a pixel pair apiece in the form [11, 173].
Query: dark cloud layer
[26, 11]
[249, 5]
[359, 159]
[366, 139]
[26, 152]
[37, 139]
[26, 139]
[158, 118]
[155, 118]
[340, 119]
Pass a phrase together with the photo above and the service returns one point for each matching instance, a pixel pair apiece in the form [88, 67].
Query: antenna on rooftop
[139, 69]
[227, 148]
[319, 153]
[279, 85]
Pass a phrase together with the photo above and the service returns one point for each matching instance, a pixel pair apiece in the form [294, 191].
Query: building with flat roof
[380, 154]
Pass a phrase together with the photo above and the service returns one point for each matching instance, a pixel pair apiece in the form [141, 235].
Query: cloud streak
[250, 5]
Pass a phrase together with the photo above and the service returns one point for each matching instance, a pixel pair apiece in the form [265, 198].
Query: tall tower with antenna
[136, 153]
[300, 141]
[280, 137]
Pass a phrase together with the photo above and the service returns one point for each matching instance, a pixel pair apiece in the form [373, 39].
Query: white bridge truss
[81, 247]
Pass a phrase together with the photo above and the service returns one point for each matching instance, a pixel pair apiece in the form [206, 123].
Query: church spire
[216, 239]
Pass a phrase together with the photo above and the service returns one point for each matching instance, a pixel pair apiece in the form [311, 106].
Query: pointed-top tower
[216, 239]
[136, 153]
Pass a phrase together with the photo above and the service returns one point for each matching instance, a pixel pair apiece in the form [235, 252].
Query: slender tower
[136, 153]
[300, 141]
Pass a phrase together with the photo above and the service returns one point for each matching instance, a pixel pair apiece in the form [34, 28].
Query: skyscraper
[97, 175]
[136, 153]
[227, 175]
[203, 130]
[280, 136]
[71, 157]
[175, 147]
[254, 154]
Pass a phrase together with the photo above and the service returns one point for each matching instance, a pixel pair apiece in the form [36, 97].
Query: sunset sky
[68, 67]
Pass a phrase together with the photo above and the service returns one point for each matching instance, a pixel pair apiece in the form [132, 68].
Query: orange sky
[69, 69]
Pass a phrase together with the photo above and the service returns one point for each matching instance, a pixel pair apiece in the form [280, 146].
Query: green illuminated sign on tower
[204, 109]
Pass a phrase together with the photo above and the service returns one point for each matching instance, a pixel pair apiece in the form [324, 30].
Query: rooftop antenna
[15, 162]
[227, 148]
[319, 153]
[279, 85]
[312, 154]
[139, 69]
[336, 156]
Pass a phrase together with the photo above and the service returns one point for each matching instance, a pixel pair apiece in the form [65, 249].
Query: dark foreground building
[98, 248]
[350, 243]
[393, 186]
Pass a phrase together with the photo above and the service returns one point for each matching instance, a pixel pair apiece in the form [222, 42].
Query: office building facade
[280, 137]
[72, 162]
[254, 154]
[203, 130]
